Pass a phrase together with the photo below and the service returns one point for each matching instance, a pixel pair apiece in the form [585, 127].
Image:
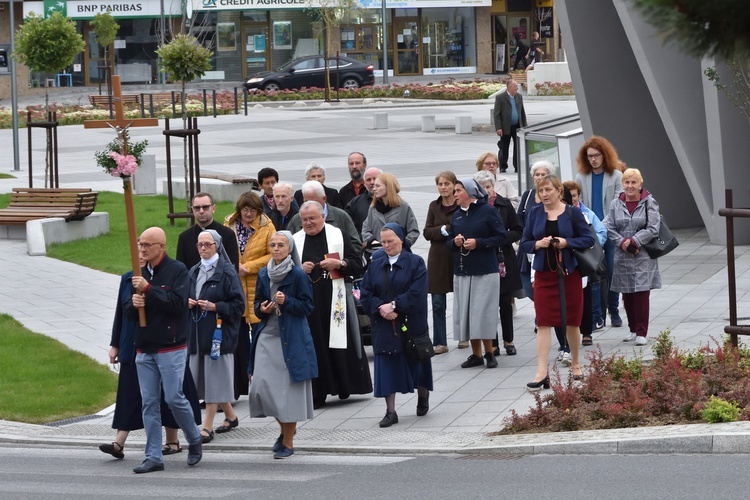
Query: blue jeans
[613, 298]
[439, 329]
[165, 370]
[596, 303]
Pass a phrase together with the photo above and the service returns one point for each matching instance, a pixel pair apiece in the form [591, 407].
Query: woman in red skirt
[552, 230]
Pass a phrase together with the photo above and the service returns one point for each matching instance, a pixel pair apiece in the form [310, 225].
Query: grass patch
[110, 252]
[7, 176]
[44, 381]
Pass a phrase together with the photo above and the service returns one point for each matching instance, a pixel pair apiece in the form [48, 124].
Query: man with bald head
[509, 116]
[161, 346]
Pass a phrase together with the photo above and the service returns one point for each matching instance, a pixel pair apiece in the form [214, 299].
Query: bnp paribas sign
[87, 9]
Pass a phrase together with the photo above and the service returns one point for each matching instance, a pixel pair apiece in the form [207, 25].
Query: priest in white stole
[326, 257]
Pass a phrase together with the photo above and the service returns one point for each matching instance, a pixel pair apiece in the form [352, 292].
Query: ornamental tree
[47, 46]
[184, 59]
[105, 29]
[716, 28]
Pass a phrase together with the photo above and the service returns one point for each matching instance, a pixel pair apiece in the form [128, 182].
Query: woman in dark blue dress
[394, 293]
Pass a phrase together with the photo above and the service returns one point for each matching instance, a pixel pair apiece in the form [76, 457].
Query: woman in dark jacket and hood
[394, 294]
[477, 233]
[216, 305]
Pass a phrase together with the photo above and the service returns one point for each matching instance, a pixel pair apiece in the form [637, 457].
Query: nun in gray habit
[476, 234]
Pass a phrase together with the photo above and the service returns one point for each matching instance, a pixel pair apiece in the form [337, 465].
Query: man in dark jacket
[316, 172]
[203, 207]
[357, 164]
[162, 291]
[286, 207]
[360, 205]
[509, 116]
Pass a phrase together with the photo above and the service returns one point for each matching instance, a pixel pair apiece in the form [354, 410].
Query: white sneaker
[641, 341]
[560, 355]
[566, 361]
[630, 337]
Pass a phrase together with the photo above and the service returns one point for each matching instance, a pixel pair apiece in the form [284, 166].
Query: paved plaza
[75, 304]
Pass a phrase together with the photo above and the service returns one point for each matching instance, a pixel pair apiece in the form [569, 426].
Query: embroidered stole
[338, 319]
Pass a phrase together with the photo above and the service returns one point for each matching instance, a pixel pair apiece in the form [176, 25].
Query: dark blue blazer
[572, 226]
[123, 328]
[296, 339]
[408, 287]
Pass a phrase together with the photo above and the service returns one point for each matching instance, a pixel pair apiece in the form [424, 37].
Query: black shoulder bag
[590, 260]
[664, 243]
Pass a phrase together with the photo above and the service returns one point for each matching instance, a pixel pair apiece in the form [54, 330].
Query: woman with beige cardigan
[253, 229]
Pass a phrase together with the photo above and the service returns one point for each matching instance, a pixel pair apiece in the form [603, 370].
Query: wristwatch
[342, 263]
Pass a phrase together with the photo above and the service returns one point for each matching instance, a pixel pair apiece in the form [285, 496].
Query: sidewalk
[75, 304]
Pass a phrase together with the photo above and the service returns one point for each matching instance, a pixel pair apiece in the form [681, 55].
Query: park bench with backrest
[103, 100]
[41, 203]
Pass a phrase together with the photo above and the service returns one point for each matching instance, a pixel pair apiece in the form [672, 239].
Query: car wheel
[350, 83]
[271, 87]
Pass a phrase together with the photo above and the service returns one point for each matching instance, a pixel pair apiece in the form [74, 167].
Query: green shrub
[718, 410]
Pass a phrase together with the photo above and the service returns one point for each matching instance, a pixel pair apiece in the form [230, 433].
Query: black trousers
[505, 145]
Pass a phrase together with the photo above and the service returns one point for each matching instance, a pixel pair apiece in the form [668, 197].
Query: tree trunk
[185, 150]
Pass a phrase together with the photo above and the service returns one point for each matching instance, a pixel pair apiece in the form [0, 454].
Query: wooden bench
[161, 98]
[103, 100]
[41, 203]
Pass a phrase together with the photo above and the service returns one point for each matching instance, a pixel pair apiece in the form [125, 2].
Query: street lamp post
[385, 43]
[14, 88]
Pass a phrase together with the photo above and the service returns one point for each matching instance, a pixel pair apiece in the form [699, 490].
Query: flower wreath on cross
[115, 163]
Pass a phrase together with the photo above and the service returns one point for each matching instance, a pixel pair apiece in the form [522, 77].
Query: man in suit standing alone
[509, 117]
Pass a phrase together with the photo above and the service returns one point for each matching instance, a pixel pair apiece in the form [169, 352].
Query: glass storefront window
[448, 36]
[363, 43]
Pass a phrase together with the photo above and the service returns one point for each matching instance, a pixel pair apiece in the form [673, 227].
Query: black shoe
[535, 386]
[208, 437]
[148, 466]
[491, 361]
[113, 448]
[616, 320]
[171, 449]
[587, 340]
[195, 453]
[472, 361]
[278, 444]
[496, 351]
[342, 397]
[389, 419]
[227, 426]
[510, 350]
[318, 403]
[423, 405]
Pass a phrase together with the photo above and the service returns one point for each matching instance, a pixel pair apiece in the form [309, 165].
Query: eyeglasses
[489, 163]
[204, 245]
[198, 208]
[247, 210]
[594, 157]
[146, 246]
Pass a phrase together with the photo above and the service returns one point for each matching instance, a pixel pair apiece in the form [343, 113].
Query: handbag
[418, 347]
[591, 260]
[664, 243]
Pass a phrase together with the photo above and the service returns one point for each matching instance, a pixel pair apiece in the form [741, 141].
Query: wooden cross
[120, 124]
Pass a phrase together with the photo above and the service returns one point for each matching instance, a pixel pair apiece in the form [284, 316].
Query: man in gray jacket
[509, 116]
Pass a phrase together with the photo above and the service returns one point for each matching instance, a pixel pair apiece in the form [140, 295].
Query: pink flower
[126, 165]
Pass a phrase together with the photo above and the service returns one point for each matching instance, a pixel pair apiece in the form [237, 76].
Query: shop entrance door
[255, 49]
[94, 58]
[499, 44]
[407, 42]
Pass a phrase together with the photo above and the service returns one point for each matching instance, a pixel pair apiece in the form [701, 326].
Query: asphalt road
[44, 472]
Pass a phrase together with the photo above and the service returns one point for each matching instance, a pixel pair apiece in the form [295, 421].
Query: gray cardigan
[611, 188]
[402, 215]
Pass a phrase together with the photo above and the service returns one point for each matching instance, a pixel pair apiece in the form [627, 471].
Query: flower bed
[554, 89]
[447, 90]
[710, 384]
